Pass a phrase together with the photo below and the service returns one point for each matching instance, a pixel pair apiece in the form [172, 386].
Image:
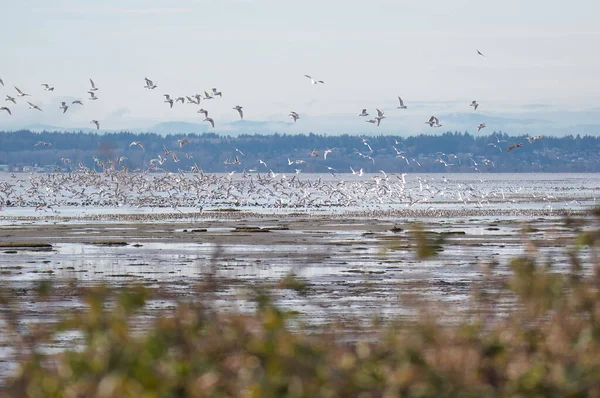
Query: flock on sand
[117, 186]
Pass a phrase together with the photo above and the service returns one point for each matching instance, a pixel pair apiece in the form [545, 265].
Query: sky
[538, 73]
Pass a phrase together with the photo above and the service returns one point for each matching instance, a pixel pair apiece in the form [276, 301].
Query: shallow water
[353, 263]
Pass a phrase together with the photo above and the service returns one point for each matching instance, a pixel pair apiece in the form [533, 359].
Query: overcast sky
[540, 56]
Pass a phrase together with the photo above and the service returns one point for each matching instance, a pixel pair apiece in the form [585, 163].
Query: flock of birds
[211, 94]
[116, 185]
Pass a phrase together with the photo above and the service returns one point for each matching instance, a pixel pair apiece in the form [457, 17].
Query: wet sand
[354, 267]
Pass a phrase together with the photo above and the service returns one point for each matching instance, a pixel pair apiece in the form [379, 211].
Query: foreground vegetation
[534, 332]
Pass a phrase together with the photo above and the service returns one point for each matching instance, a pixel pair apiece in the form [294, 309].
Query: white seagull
[313, 81]
[433, 122]
[294, 116]
[479, 52]
[63, 106]
[239, 109]
[11, 99]
[138, 143]
[480, 126]
[203, 111]
[21, 94]
[47, 87]
[94, 88]
[474, 104]
[5, 108]
[92, 96]
[34, 106]
[182, 142]
[363, 113]
[77, 102]
[210, 120]
[401, 106]
[149, 84]
[97, 123]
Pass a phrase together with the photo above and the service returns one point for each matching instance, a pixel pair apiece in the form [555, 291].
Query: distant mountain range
[532, 120]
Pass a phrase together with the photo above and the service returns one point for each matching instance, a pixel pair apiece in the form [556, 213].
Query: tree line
[448, 152]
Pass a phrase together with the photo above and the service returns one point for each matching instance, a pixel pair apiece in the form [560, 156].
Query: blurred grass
[545, 342]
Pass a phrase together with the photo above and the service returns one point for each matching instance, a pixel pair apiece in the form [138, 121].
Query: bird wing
[400, 101]
[92, 83]
[18, 91]
[379, 113]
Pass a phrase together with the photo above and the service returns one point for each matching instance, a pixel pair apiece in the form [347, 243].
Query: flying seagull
[204, 111]
[77, 102]
[21, 94]
[480, 126]
[474, 104]
[363, 113]
[138, 143]
[401, 106]
[47, 87]
[34, 106]
[4, 108]
[170, 101]
[433, 122]
[97, 123]
[210, 120]
[149, 84]
[94, 88]
[479, 52]
[11, 99]
[182, 142]
[294, 116]
[92, 96]
[63, 106]
[313, 81]
[42, 143]
[239, 109]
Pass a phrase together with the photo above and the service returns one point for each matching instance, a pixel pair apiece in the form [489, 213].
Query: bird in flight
[480, 126]
[149, 84]
[479, 52]
[63, 106]
[94, 88]
[21, 93]
[5, 108]
[326, 152]
[474, 104]
[182, 142]
[294, 116]
[513, 146]
[138, 143]
[92, 96]
[42, 143]
[34, 106]
[239, 109]
[97, 123]
[47, 87]
[433, 122]
[11, 99]
[210, 120]
[363, 113]
[204, 111]
[77, 102]
[401, 106]
[313, 81]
